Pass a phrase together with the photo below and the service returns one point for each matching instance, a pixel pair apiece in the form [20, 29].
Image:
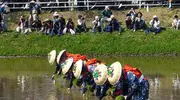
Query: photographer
[139, 22]
[96, 24]
[155, 25]
[81, 27]
[176, 23]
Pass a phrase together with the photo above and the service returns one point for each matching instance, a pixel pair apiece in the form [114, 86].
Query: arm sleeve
[57, 69]
[79, 22]
[71, 80]
[130, 94]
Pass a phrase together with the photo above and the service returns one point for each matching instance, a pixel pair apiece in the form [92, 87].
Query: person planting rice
[128, 82]
[83, 72]
[65, 63]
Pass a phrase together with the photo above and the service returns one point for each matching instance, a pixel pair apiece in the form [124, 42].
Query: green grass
[165, 15]
[127, 43]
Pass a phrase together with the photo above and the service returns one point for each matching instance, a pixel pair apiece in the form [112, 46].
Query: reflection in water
[30, 79]
[176, 81]
[155, 84]
[21, 82]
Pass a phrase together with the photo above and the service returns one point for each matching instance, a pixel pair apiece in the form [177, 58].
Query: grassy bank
[165, 15]
[127, 43]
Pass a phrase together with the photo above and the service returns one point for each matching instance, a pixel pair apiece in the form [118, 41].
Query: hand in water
[125, 97]
[69, 90]
[53, 77]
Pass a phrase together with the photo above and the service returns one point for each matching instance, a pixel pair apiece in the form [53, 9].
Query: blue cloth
[101, 91]
[113, 25]
[137, 89]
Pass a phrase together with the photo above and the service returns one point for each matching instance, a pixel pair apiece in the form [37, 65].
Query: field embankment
[126, 43]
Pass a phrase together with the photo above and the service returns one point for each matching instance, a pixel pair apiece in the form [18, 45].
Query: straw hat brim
[66, 65]
[77, 68]
[32, 1]
[55, 15]
[59, 56]
[52, 56]
[100, 74]
[114, 73]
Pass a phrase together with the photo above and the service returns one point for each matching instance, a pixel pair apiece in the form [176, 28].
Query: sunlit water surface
[30, 78]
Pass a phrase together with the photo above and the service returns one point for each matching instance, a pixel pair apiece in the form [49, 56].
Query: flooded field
[30, 78]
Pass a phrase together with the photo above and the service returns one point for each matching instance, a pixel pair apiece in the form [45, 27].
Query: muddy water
[30, 78]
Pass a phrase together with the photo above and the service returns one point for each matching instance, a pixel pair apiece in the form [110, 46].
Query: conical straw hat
[52, 56]
[100, 74]
[66, 65]
[114, 73]
[60, 55]
[77, 69]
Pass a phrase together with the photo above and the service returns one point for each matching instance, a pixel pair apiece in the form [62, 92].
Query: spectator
[33, 6]
[96, 24]
[22, 25]
[34, 12]
[56, 24]
[113, 25]
[0, 23]
[155, 25]
[69, 27]
[176, 23]
[62, 24]
[106, 14]
[132, 14]
[139, 22]
[81, 27]
[129, 22]
[170, 4]
[4, 10]
[36, 24]
[47, 26]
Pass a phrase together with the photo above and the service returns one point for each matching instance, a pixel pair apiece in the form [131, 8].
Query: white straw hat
[66, 65]
[60, 55]
[114, 73]
[112, 16]
[52, 56]
[100, 74]
[155, 16]
[55, 14]
[32, 1]
[77, 68]
[106, 7]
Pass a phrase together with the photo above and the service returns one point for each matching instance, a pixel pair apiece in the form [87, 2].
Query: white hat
[52, 56]
[112, 16]
[154, 16]
[46, 20]
[96, 17]
[66, 65]
[32, 1]
[60, 55]
[100, 74]
[55, 14]
[77, 69]
[3, 5]
[106, 7]
[114, 73]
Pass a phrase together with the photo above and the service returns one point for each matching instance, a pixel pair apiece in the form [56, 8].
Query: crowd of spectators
[106, 22]
[4, 10]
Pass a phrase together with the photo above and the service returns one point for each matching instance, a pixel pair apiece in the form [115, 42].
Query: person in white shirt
[176, 23]
[155, 25]
[96, 24]
[81, 27]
